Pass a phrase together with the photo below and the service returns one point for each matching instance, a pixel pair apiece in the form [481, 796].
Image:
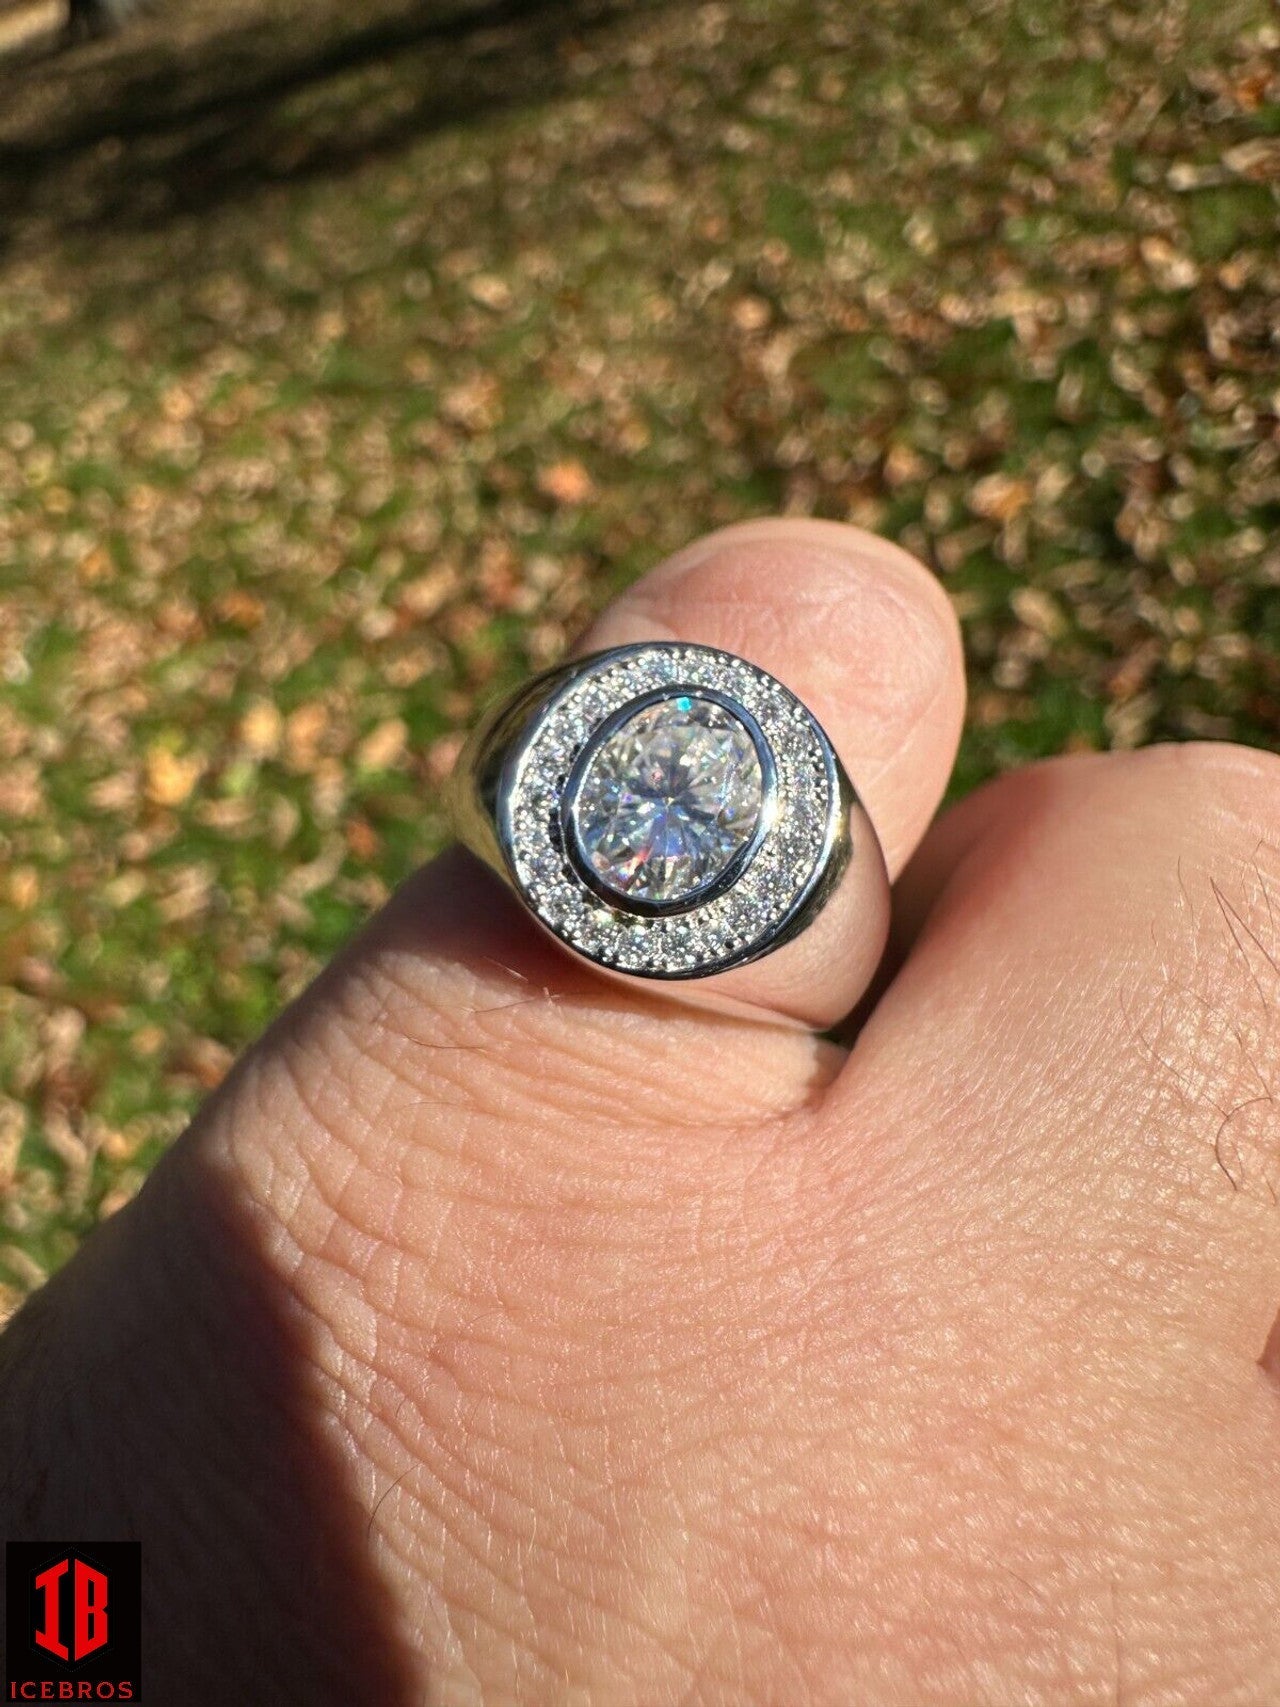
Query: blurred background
[352, 354]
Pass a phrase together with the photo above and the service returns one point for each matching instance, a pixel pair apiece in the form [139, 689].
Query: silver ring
[666, 810]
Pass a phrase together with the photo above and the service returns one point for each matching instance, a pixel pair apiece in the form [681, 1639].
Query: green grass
[321, 420]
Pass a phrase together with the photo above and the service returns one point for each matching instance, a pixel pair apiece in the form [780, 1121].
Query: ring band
[666, 810]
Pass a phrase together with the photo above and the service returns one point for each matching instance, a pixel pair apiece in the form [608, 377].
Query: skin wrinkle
[524, 1590]
[1191, 1095]
[329, 1228]
[588, 1043]
[620, 1178]
[1239, 1179]
[490, 1523]
[1263, 887]
[343, 1155]
[911, 681]
[796, 558]
[958, 885]
[177, 1303]
[875, 1403]
[1269, 1362]
[1252, 935]
[872, 772]
[309, 1205]
[1119, 1691]
[1233, 920]
[1229, 1105]
[733, 1673]
[289, 1083]
[1168, 987]
[1190, 1091]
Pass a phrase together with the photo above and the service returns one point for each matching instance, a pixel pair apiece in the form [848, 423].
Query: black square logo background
[118, 1660]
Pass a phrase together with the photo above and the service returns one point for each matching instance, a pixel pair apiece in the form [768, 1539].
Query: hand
[496, 1335]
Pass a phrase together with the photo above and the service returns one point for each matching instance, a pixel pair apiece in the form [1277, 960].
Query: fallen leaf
[171, 776]
[1039, 611]
[261, 729]
[490, 291]
[383, 747]
[304, 729]
[425, 594]
[566, 482]
[243, 609]
[362, 839]
[999, 497]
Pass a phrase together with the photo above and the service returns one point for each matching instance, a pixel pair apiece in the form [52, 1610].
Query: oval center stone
[669, 799]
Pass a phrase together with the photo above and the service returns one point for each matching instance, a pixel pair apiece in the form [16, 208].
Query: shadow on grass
[182, 113]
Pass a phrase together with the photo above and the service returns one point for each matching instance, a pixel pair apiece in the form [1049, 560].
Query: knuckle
[1206, 1025]
[1233, 784]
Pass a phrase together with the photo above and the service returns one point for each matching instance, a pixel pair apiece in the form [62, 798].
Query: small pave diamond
[669, 800]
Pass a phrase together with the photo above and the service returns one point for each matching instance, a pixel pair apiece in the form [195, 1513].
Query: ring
[666, 810]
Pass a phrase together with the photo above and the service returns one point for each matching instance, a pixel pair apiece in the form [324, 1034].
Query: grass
[344, 369]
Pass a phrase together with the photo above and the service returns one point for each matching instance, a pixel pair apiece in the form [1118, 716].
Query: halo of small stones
[732, 927]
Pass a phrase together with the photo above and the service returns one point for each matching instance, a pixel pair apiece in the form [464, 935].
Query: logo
[74, 1616]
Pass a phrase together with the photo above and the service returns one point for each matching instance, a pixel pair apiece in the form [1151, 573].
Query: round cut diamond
[669, 800]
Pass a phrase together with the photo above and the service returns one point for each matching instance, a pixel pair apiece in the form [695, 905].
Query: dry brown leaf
[261, 729]
[171, 777]
[21, 795]
[304, 730]
[999, 497]
[243, 609]
[383, 747]
[566, 482]
[425, 594]
[1039, 610]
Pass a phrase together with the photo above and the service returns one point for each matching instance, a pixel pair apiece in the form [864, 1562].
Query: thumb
[432, 1215]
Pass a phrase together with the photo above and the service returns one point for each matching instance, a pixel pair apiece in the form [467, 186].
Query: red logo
[88, 1609]
[73, 1617]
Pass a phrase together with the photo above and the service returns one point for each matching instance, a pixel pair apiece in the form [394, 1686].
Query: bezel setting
[719, 881]
[768, 889]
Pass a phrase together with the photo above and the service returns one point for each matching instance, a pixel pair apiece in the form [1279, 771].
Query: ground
[345, 367]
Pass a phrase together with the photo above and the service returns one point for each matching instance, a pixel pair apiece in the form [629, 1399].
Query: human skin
[500, 1335]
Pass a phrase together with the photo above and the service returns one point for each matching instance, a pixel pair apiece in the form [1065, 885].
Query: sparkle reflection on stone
[669, 799]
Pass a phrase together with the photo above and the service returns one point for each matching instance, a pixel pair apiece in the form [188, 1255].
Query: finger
[471, 1206]
[868, 640]
[482, 1046]
[851, 623]
[458, 1105]
[1097, 942]
[453, 1049]
[454, 994]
